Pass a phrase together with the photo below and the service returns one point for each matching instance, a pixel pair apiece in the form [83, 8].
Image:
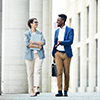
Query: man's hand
[53, 59]
[59, 42]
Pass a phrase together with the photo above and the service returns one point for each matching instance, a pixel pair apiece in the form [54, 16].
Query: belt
[61, 51]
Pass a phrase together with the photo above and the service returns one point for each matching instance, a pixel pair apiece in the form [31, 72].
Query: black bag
[54, 70]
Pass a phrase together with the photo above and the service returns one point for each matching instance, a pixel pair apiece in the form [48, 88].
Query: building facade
[84, 17]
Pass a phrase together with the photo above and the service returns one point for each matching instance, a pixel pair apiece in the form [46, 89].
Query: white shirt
[35, 51]
[61, 38]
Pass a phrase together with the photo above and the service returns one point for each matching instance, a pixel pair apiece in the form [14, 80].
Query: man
[62, 53]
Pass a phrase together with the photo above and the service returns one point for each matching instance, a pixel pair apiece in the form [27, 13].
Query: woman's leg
[37, 72]
[30, 70]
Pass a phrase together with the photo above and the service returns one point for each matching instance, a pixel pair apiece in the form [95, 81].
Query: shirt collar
[63, 27]
[31, 31]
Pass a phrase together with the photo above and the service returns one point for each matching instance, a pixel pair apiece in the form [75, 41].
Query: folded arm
[42, 42]
[30, 45]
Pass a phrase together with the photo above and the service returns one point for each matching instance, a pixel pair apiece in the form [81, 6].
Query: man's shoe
[59, 94]
[65, 93]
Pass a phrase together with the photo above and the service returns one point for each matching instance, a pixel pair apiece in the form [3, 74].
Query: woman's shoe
[37, 92]
[33, 95]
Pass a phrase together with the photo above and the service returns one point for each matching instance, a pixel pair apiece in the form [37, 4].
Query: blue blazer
[28, 52]
[68, 40]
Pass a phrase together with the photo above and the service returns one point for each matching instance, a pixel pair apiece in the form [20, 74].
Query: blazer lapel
[57, 34]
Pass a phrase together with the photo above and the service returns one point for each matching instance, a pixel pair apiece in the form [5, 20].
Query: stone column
[35, 11]
[98, 46]
[0, 44]
[83, 49]
[92, 28]
[47, 21]
[16, 14]
[50, 46]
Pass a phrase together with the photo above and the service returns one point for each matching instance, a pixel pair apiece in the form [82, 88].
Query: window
[96, 62]
[87, 22]
[78, 67]
[87, 83]
[96, 16]
[79, 27]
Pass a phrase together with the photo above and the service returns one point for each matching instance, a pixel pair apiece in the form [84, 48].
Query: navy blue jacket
[68, 41]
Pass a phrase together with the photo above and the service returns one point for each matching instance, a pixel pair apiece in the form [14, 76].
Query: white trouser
[34, 71]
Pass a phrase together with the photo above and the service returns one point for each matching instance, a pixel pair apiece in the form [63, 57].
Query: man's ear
[63, 21]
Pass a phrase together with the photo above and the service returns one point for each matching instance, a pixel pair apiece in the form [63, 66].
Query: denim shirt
[29, 54]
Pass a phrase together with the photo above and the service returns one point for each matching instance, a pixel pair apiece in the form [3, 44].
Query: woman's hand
[39, 46]
[31, 42]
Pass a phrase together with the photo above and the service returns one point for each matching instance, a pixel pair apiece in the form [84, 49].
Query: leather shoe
[59, 94]
[65, 93]
[37, 93]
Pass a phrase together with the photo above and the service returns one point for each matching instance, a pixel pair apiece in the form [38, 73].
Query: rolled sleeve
[26, 40]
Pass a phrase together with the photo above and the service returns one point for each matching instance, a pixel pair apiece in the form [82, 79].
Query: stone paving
[50, 96]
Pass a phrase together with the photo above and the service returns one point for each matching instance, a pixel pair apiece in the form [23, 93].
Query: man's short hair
[31, 21]
[63, 16]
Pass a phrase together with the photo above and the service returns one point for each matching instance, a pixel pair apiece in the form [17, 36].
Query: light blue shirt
[29, 54]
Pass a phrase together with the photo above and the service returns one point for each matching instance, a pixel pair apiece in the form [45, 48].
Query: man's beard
[59, 25]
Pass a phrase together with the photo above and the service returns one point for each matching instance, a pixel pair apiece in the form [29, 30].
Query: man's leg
[66, 71]
[59, 66]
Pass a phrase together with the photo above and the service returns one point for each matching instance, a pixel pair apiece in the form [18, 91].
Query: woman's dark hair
[63, 16]
[31, 21]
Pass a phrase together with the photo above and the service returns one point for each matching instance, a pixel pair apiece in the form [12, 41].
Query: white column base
[81, 89]
[15, 79]
[97, 89]
[72, 89]
[90, 89]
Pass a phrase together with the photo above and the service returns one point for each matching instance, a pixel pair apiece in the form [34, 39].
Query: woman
[34, 58]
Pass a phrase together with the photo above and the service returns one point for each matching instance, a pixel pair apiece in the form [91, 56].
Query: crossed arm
[38, 44]
[31, 44]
